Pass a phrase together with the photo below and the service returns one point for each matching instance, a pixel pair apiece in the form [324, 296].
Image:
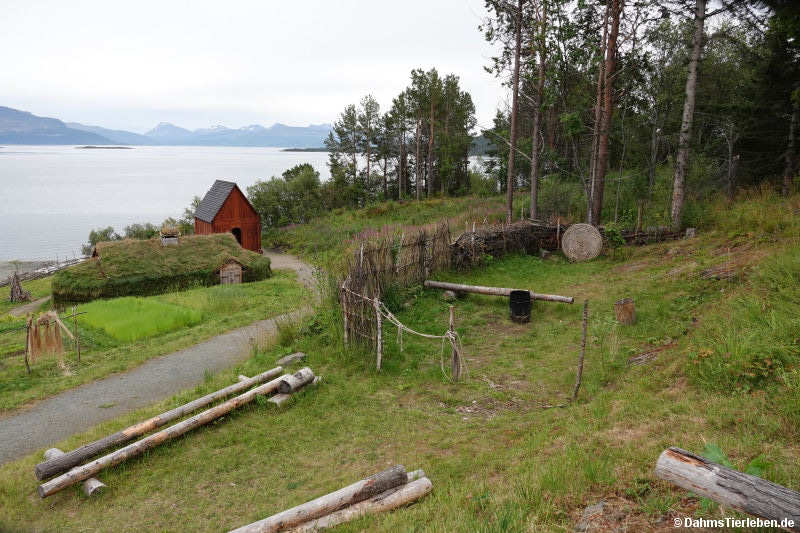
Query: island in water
[91, 147]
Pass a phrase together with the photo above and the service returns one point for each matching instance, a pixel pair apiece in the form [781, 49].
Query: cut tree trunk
[89, 486]
[685, 135]
[79, 473]
[324, 505]
[77, 456]
[385, 501]
[625, 310]
[789, 169]
[494, 291]
[729, 487]
[292, 382]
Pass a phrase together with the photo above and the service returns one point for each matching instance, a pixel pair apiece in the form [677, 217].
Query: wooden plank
[77, 456]
[729, 487]
[324, 505]
[79, 473]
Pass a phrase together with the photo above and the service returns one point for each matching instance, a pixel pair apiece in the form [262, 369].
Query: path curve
[29, 307]
[83, 407]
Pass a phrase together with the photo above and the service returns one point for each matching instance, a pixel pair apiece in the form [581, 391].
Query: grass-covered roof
[146, 267]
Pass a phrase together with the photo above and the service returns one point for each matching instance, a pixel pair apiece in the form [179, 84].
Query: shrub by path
[78, 409]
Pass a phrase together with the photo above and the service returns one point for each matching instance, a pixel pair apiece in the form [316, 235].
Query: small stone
[449, 296]
[590, 515]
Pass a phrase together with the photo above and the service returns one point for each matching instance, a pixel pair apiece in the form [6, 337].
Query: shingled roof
[213, 200]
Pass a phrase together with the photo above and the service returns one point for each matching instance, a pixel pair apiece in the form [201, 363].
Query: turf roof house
[225, 209]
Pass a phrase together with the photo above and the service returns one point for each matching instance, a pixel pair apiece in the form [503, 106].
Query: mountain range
[22, 127]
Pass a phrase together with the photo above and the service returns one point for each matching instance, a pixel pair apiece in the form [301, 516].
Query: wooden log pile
[289, 382]
[384, 491]
[18, 294]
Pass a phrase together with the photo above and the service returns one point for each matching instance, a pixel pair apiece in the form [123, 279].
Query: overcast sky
[130, 65]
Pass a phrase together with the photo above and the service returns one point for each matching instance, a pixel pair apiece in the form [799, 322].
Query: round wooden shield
[581, 242]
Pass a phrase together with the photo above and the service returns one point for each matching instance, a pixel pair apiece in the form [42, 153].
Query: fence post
[27, 344]
[579, 373]
[77, 338]
[379, 339]
[344, 313]
[456, 363]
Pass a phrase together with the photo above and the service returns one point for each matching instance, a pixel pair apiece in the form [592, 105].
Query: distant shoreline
[91, 147]
[321, 149]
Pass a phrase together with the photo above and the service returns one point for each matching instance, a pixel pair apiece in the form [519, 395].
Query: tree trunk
[685, 135]
[537, 113]
[57, 465]
[608, 111]
[789, 169]
[729, 487]
[329, 503]
[385, 501]
[385, 186]
[417, 166]
[598, 110]
[89, 486]
[79, 473]
[513, 133]
[429, 174]
[292, 382]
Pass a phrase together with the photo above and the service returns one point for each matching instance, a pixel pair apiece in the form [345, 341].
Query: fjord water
[52, 196]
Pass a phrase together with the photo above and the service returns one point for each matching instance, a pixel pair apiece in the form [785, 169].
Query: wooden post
[77, 456]
[579, 374]
[79, 473]
[625, 311]
[324, 505]
[379, 324]
[456, 363]
[77, 338]
[729, 487]
[27, 344]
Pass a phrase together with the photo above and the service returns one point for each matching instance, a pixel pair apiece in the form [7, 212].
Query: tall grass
[132, 318]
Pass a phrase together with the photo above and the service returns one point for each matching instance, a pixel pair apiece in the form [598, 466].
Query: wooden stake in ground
[79, 473]
[89, 486]
[729, 487]
[77, 456]
[456, 364]
[324, 505]
[77, 336]
[28, 344]
[379, 326]
[579, 374]
[385, 501]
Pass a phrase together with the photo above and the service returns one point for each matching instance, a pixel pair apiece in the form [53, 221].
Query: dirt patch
[615, 513]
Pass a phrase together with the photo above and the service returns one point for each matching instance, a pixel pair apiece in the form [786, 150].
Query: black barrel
[519, 303]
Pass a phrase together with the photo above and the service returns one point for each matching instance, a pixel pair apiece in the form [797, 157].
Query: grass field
[111, 343]
[38, 288]
[131, 318]
[500, 457]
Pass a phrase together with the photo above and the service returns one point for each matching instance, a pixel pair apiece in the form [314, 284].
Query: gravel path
[29, 307]
[78, 409]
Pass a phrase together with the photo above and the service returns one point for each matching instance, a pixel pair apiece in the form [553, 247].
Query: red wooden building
[225, 209]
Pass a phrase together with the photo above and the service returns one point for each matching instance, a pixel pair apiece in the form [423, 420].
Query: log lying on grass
[293, 382]
[495, 291]
[724, 485]
[79, 473]
[77, 456]
[324, 505]
[89, 486]
[385, 501]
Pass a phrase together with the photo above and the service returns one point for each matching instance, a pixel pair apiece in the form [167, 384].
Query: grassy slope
[499, 461]
[223, 308]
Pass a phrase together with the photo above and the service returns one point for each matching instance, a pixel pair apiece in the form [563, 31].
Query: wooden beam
[324, 505]
[77, 456]
[494, 291]
[89, 486]
[385, 501]
[729, 487]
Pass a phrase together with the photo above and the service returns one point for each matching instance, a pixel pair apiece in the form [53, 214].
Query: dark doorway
[237, 232]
